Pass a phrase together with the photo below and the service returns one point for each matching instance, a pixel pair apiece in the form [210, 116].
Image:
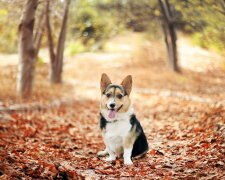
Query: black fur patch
[141, 144]
[115, 86]
[103, 122]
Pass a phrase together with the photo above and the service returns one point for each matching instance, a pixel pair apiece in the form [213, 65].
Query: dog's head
[115, 98]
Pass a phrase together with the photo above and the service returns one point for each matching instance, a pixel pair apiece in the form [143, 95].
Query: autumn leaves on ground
[55, 134]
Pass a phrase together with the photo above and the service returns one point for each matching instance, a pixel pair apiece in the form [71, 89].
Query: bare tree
[39, 30]
[27, 52]
[170, 34]
[56, 57]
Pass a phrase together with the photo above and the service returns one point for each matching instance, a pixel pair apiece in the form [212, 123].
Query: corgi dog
[122, 133]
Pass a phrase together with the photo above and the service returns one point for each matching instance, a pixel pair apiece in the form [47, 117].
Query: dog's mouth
[112, 112]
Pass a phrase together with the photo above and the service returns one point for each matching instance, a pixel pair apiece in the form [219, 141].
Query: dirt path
[201, 79]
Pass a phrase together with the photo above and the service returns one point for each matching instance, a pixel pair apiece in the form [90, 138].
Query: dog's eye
[108, 95]
[119, 96]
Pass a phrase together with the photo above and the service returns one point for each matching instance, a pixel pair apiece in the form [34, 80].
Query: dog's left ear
[127, 84]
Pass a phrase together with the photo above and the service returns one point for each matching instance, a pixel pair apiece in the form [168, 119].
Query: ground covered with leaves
[62, 143]
[183, 116]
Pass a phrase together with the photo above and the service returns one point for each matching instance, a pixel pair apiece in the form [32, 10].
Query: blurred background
[167, 45]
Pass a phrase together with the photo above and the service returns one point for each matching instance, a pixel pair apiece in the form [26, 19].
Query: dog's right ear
[105, 81]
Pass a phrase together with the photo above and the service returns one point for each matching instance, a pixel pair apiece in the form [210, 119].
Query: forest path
[186, 136]
[132, 54]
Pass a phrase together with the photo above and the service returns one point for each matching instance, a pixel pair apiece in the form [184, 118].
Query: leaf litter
[185, 133]
[62, 143]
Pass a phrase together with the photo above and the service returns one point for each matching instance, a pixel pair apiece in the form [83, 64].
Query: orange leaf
[206, 145]
[40, 162]
[153, 166]
[153, 152]
[106, 171]
[131, 172]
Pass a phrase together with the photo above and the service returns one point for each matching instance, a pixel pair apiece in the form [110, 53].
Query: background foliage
[92, 22]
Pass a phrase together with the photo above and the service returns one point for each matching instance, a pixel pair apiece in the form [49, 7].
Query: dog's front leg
[127, 156]
[128, 144]
[112, 155]
[103, 153]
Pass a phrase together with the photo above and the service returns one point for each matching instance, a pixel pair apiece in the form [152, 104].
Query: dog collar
[112, 121]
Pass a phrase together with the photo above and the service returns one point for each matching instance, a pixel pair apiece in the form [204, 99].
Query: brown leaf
[100, 171]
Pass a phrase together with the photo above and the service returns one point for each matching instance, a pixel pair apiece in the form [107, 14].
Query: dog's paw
[128, 162]
[110, 158]
[103, 153]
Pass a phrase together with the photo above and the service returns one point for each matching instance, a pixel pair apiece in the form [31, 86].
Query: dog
[122, 133]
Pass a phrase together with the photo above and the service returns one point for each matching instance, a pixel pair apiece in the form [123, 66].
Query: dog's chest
[116, 132]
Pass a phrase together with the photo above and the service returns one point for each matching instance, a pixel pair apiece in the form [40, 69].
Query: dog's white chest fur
[116, 131]
[115, 134]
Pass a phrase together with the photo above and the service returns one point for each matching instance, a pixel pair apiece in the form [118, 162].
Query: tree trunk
[56, 59]
[170, 35]
[38, 34]
[27, 54]
[50, 41]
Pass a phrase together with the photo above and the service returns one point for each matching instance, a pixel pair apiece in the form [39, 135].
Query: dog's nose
[112, 105]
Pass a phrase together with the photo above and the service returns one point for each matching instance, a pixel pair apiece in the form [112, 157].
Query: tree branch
[49, 33]
[62, 35]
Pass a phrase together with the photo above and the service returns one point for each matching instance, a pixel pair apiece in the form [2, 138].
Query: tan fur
[127, 84]
[124, 102]
[105, 81]
[119, 151]
[131, 137]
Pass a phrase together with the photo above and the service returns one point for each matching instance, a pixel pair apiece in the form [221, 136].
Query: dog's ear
[105, 81]
[127, 84]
